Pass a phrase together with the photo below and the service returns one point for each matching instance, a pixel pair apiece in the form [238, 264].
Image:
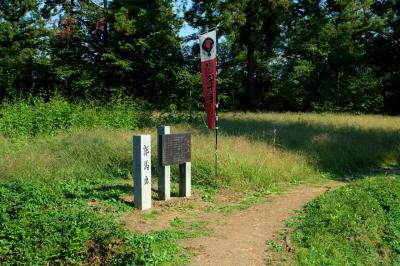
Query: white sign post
[164, 172]
[142, 171]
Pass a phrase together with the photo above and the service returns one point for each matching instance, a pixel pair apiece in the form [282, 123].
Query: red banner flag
[208, 55]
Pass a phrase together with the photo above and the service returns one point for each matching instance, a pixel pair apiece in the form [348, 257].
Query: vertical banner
[208, 55]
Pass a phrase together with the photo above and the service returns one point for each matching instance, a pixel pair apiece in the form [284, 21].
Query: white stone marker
[164, 172]
[185, 179]
[142, 171]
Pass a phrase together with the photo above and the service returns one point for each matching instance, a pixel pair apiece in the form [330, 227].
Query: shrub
[23, 118]
[39, 226]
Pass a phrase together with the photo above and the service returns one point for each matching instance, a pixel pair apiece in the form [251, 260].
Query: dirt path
[240, 239]
[236, 239]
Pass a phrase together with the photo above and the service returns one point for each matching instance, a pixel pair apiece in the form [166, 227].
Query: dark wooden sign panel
[176, 149]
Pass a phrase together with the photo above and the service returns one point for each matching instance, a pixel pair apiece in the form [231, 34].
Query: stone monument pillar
[185, 179]
[142, 171]
[164, 172]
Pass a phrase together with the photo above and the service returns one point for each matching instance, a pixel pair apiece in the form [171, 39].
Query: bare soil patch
[238, 238]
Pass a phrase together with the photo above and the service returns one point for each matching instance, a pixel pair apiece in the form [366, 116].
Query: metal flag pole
[216, 139]
[216, 113]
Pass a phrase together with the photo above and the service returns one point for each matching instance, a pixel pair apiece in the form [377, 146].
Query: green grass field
[355, 225]
[56, 158]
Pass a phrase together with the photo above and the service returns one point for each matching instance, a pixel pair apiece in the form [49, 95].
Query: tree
[326, 55]
[78, 43]
[144, 53]
[22, 40]
[384, 53]
[253, 25]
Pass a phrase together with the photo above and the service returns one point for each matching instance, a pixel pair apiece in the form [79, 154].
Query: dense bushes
[38, 117]
[60, 197]
[39, 226]
[355, 225]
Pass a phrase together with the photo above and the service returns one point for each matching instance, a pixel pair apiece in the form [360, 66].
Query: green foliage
[23, 118]
[358, 224]
[60, 194]
[251, 29]
[59, 197]
[22, 36]
[305, 55]
[40, 226]
[143, 55]
[326, 62]
[277, 55]
[155, 248]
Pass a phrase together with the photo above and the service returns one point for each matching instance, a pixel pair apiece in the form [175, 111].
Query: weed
[275, 246]
[358, 224]
[55, 157]
[151, 214]
[154, 248]
[23, 118]
[177, 222]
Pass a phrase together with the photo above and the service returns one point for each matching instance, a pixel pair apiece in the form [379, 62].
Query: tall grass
[46, 193]
[37, 117]
[336, 144]
[70, 154]
[244, 163]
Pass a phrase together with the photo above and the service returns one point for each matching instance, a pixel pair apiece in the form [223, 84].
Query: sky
[186, 29]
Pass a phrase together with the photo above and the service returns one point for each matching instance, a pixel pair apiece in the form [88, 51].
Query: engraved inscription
[176, 149]
[146, 165]
[146, 150]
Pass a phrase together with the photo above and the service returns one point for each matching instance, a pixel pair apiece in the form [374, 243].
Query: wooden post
[142, 171]
[164, 172]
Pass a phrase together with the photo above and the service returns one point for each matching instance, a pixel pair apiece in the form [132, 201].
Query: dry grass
[324, 119]
[333, 143]
[81, 165]
[247, 163]
[308, 148]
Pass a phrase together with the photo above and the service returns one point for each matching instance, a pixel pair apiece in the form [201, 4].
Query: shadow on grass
[119, 188]
[338, 150]
[112, 193]
[173, 193]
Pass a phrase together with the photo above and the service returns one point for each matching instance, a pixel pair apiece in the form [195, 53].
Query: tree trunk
[251, 69]
[105, 32]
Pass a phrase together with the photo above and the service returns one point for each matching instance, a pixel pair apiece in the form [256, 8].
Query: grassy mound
[66, 172]
[355, 225]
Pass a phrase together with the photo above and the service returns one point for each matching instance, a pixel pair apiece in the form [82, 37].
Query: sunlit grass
[327, 119]
[355, 225]
[333, 143]
[256, 152]
[82, 153]
[306, 148]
